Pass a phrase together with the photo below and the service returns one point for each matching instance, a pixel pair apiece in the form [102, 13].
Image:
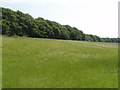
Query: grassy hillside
[47, 63]
[0, 61]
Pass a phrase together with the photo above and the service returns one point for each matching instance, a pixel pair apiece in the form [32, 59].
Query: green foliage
[20, 24]
[110, 40]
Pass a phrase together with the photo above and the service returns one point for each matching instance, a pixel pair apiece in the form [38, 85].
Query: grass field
[47, 63]
[0, 62]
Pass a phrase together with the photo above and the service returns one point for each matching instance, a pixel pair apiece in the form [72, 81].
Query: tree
[22, 24]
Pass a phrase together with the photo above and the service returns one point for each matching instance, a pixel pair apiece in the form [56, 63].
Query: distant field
[48, 63]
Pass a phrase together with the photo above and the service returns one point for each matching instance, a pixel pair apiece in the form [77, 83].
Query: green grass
[0, 62]
[47, 63]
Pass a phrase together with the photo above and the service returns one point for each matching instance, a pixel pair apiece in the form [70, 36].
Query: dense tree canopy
[20, 24]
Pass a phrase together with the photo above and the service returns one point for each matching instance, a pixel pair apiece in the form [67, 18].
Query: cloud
[65, 2]
[27, 1]
[13, 1]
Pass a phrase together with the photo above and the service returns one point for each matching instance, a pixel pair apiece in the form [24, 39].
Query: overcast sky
[97, 17]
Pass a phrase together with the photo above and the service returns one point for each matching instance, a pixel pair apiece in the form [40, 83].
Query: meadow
[50, 63]
[0, 61]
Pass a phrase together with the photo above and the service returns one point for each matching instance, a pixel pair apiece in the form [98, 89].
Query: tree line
[16, 23]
